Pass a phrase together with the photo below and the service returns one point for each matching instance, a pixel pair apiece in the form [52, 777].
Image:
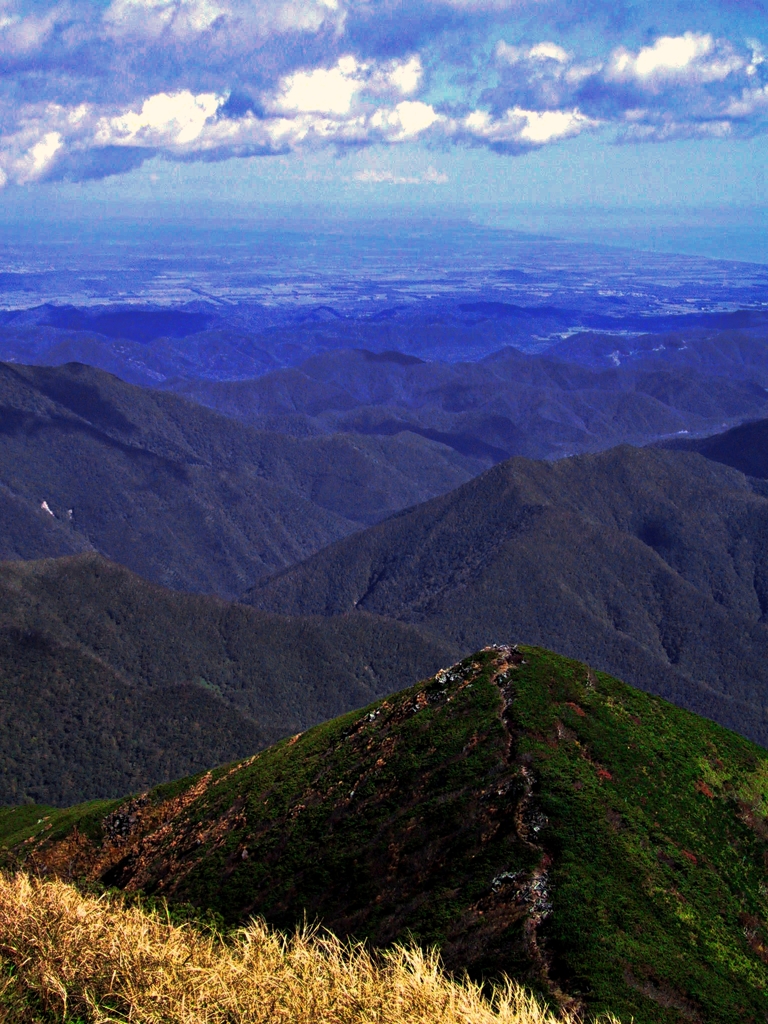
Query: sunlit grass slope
[70, 957]
[525, 815]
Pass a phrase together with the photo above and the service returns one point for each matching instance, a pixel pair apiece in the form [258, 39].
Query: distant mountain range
[651, 564]
[526, 815]
[109, 684]
[506, 404]
[201, 501]
[220, 341]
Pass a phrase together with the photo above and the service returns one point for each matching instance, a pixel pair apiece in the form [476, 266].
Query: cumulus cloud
[539, 52]
[164, 120]
[689, 57]
[90, 89]
[406, 120]
[519, 129]
[322, 90]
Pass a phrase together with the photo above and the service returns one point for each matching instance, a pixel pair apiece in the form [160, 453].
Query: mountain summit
[525, 814]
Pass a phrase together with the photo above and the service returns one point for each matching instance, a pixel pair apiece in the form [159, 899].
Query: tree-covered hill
[524, 813]
[744, 447]
[109, 683]
[508, 403]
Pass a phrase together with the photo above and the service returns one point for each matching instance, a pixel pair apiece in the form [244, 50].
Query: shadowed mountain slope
[651, 564]
[184, 496]
[506, 404]
[109, 684]
[525, 814]
[744, 447]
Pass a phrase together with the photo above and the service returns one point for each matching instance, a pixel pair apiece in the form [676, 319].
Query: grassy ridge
[520, 812]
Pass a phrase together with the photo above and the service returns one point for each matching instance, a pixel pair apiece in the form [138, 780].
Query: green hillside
[524, 813]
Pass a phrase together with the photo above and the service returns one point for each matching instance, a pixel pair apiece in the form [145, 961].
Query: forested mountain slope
[744, 447]
[650, 564]
[109, 684]
[505, 404]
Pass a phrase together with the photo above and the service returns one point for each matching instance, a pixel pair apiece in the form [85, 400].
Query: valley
[383, 512]
[649, 564]
[185, 497]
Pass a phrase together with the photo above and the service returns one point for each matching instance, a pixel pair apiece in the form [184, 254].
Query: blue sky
[486, 106]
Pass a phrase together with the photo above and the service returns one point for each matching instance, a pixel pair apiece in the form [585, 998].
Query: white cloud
[750, 102]
[151, 18]
[245, 20]
[758, 56]
[23, 36]
[668, 130]
[549, 51]
[322, 91]
[408, 119]
[333, 90]
[156, 75]
[171, 119]
[27, 155]
[526, 127]
[578, 73]
[545, 51]
[692, 56]
[372, 176]
[44, 151]
[405, 77]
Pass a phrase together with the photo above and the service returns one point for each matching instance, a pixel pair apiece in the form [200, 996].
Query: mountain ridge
[507, 403]
[180, 494]
[528, 815]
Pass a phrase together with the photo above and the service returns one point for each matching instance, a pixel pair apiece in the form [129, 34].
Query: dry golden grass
[76, 957]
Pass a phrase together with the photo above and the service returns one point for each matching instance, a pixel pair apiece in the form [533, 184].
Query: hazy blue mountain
[509, 403]
[180, 494]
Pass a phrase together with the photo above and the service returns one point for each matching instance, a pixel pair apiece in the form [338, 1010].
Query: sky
[508, 111]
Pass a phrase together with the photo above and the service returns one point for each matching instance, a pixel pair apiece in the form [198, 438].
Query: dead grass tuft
[72, 957]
